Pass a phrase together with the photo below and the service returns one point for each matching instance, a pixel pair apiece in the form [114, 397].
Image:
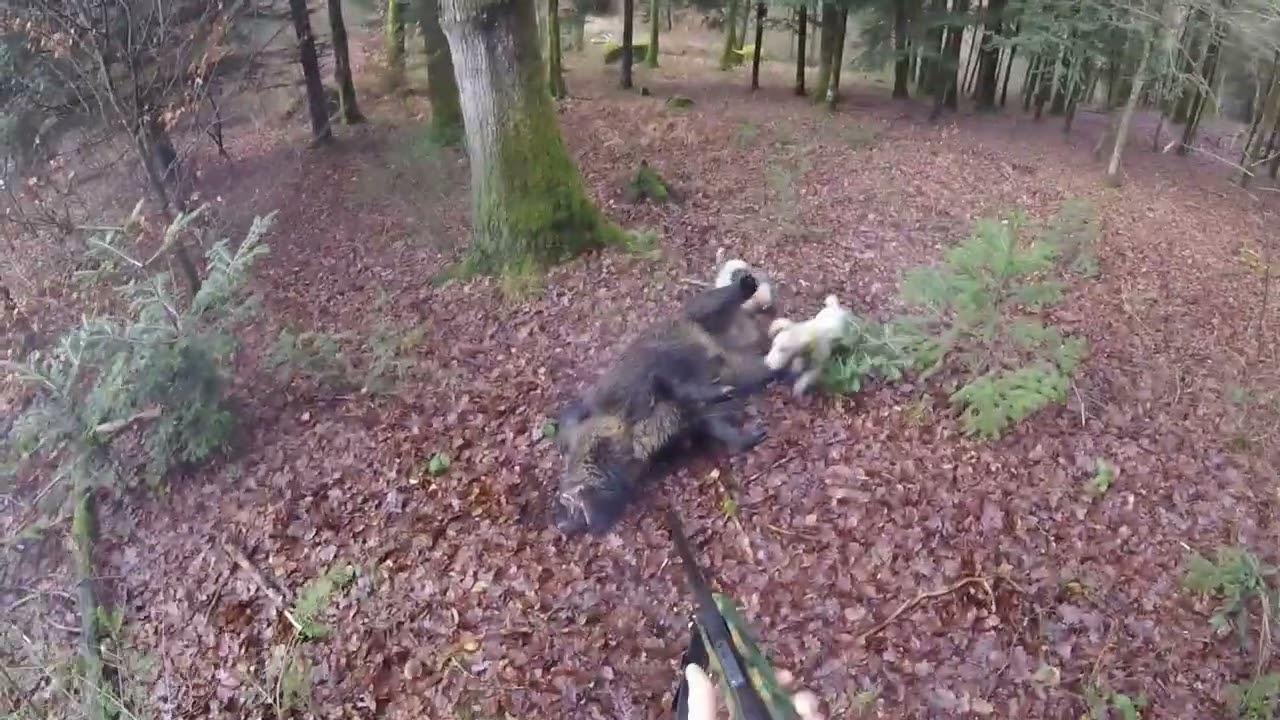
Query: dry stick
[1264, 638]
[978, 580]
[234, 553]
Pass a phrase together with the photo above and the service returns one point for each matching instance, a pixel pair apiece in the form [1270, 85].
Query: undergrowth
[1248, 603]
[974, 320]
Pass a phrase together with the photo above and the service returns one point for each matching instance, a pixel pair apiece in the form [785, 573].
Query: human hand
[703, 696]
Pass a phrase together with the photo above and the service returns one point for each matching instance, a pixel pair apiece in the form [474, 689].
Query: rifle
[709, 620]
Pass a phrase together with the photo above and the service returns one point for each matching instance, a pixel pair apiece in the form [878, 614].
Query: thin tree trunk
[669, 20]
[1044, 85]
[814, 45]
[1208, 73]
[830, 16]
[955, 44]
[902, 60]
[1076, 94]
[746, 24]
[1008, 73]
[442, 87]
[989, 64]
[1253, 150]
[802, 25]
[530, 206]
[730, 35]
[555, 65]
[970, 73]
[837, 60]
[761, 11]
[655, 17]
[84, 528]
[395, 42]
[320, 131]
[342, 66]
[1135, 92]
[1029, 80]
[628, 40]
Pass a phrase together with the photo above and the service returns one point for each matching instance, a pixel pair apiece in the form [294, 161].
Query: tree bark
[628, 41]
[395, 42]
[555, 65]
[802, 24]
[761, 11]
[320, 131]
[1044, 84]
[746, 24]
[530, 206]
[655, 16]
[989, 57]
[830, 16]
[902, 59]
[730, 34]
[442, 87]
[342, 66]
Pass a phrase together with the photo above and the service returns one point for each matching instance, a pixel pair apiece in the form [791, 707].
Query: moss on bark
[651, 58]
[442, 87]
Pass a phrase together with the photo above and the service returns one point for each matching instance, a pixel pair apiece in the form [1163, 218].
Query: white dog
[807, 345]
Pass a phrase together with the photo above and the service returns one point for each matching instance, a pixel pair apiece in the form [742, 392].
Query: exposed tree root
[979, 580]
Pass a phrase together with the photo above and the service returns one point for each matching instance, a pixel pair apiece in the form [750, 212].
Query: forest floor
[469, 605]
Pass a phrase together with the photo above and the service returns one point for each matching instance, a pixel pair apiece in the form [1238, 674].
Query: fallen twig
[276, 595]
[111, 427]
[978, 580]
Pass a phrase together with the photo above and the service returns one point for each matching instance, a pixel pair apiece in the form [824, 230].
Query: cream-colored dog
[807, 345]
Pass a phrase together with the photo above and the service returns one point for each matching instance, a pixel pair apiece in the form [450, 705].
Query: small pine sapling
[979, 305]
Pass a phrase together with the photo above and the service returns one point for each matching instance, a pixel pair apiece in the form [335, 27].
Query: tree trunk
[655, 16]
[1135, 91]
[989, 62]
[342, 66]
[970, 73]
[935, 48]
[746, 24]
[1029, 79]
[1067, 73]
[1254, 149]
[955, 44]
[902, 60]
[1188, 61]
[837, 60]
[761, 11]
[319, 112]
[395, 42]
[530, 206]
[1008, 72]
[1077, 93]
[1044, 85]
[730, 35]
[628, 40]
[830, 16]
[1208, 72]
[802, 26]
[579, 29]
[442, 87]
[555, 66]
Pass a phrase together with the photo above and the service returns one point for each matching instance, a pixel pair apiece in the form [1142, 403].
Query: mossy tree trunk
[746, 24]
[1008, 70]
[762, 11]
[84, 524]
[730, 34]
[902, 60]
[628, 41]
[555, 66]
[530, 206]
[802, 26]
[342, 66]
[442, 87]
[1254, 154]
[317, 108]
[395, 42]
[655, 19]
[830, 16]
